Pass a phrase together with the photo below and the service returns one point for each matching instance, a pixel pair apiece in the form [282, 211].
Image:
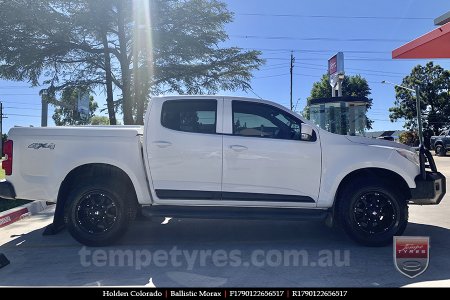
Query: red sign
[411, 254]
[332, 65]
[12, 217]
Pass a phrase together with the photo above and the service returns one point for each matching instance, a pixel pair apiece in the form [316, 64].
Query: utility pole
[419, 115]
[1, 128]
[292, 72]
[54, 102]
[416, 90]
[2, 116]
[44, 112]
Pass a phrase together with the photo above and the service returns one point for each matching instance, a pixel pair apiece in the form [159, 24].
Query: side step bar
[244, 213]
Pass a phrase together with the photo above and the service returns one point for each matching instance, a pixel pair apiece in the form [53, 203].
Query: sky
[366, 31]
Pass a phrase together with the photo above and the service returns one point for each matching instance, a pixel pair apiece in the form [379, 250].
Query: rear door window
[199, 116]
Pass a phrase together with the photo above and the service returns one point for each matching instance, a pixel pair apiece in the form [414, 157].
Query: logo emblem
[37, 146]
[411, 254]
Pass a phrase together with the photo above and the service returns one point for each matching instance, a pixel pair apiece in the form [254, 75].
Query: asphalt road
[215, 253]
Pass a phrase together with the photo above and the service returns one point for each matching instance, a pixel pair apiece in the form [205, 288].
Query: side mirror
[307, 133]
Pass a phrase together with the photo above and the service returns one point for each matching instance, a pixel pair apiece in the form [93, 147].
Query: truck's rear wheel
[372, 213]
[98, 212]
[440, 150]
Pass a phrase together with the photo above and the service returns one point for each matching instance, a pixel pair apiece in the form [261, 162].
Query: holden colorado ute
[217, 157]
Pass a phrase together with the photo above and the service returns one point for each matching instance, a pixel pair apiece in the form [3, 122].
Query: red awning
[434, 44]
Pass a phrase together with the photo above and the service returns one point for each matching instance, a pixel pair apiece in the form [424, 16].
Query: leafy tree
[66, 112]
[140, 47]
[434, 84]
[354, 86]
[99, 120]
[410, 138]
[43, 44]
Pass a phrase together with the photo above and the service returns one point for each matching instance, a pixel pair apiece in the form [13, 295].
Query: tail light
[7, 163]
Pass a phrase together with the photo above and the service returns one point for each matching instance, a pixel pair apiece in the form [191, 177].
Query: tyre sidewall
[440, 150]
[77, 194]
[346, 207]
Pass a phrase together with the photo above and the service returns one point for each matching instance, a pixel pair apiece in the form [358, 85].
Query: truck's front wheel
[97, 212]
[440, 150]
[372, 213]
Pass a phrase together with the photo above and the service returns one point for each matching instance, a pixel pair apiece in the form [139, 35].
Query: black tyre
[440, 150]
[372, 213]
[98, 212]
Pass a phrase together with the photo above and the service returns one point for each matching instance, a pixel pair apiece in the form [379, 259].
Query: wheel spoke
[374, 213]
[96, 213]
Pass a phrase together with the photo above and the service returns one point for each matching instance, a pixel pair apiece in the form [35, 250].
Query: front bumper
[430, 190]
[7, 190]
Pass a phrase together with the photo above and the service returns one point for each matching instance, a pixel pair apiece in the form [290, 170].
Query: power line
[272, 68]
[318, 51]
[278, 75]
[376, 59]
[345, 51]
[352, 74]
[6, 87]
[280, 64]
[384, 72]
[14, 102]
[325, 56]
[382, 120]
[309, 75]
[254, 93]
[377, 75]
[23, 108]
[16, 94]
[276, 58]
[18, 86]
[375, 82]
[347, 58]
[368, 74]
[20, 115]
[334, 16]
[324, 67]
[262, 37]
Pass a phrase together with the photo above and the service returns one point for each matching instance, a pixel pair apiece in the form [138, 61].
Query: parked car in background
[440, 143]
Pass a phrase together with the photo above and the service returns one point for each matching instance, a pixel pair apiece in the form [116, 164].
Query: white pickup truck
[217, 157]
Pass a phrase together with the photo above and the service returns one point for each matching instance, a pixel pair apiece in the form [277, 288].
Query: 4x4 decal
[37, 146]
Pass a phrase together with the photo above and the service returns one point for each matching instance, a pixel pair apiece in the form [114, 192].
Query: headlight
[411, 156]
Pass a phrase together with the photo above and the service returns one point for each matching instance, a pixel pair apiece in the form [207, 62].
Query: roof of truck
[181, 97]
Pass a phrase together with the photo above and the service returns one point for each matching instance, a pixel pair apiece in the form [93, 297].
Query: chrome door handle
[238, 148]
[162, 144]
